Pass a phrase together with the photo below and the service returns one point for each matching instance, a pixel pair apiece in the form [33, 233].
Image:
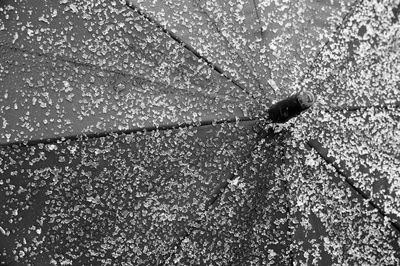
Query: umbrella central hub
[290, 107]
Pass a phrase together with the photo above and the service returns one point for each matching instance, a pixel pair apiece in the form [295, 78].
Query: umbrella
[173, 167]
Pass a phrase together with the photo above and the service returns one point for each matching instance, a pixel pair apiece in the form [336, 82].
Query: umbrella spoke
[345, 173]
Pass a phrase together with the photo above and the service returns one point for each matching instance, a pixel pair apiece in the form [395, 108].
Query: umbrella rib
[238, 53]
[317, 146]
[188, 47]
[262, 33]
[63, 59]
[93, 66]
[73, 62]
[209, 203]
[85, 136]
[338, 28]
[362, 107]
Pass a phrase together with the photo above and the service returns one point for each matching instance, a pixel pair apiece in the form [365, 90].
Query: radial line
[319, 149]
[188, 47]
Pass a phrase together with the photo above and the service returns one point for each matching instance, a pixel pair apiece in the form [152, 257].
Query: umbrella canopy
[67, 69]
[172, 166]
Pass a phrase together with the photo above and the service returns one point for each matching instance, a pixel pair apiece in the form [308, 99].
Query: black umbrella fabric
[133, 133]
[122, 199]
[354, 133]
[67, 69]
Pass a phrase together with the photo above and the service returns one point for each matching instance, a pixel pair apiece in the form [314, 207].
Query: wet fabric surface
[217, 194]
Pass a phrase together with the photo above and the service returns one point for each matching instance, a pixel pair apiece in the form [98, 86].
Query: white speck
[51, 147]
[43, 19]
[5, 123]
[234, 182]
[272, 83]
[4, 231]
[15, 37]
[138, 28]
[73, 8]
